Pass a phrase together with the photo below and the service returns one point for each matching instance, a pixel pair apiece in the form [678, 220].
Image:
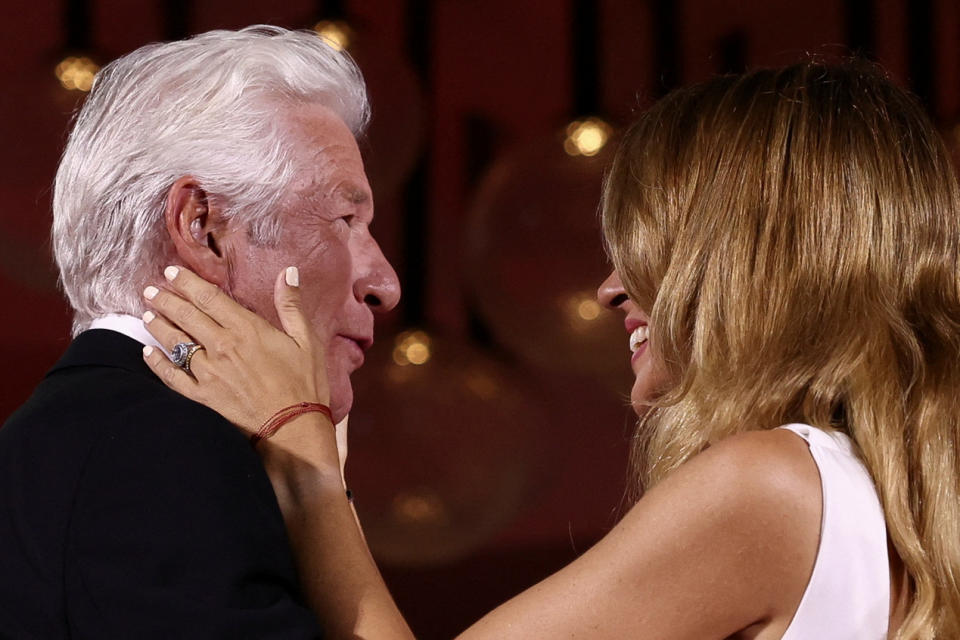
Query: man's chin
[340, 402]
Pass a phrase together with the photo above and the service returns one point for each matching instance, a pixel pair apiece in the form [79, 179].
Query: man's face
[326, 218]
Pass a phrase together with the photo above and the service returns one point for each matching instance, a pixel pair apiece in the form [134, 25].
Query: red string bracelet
[285, 415]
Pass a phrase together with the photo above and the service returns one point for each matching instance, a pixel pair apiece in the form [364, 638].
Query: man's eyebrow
[352, 194]
[355, 195]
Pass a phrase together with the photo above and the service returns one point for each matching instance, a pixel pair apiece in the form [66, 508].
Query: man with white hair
[127, 510]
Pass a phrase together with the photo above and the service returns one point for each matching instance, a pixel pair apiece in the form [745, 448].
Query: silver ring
[182, 354]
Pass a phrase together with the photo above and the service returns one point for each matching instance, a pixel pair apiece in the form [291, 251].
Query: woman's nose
[611, 293]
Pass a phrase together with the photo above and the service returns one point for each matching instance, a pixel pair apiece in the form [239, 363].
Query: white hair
[209, 107]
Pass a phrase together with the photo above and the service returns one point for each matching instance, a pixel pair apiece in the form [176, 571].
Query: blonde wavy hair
[794, 235]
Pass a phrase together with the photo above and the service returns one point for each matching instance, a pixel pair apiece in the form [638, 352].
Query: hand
[247, 369]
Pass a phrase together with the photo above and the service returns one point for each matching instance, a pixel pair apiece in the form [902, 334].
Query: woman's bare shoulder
[752, 504]
[758, 490]
[756, 466]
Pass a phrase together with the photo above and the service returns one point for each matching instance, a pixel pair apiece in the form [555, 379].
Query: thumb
[286, 299]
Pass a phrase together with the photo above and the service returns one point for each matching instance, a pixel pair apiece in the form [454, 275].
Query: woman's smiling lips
[639, 334]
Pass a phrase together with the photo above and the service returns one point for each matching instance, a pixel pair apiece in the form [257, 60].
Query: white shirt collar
[130, 326]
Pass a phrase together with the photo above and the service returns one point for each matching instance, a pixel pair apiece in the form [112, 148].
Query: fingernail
[147, 351]
[150, 292]
[170, 273]
[292, 277]
[149, 316]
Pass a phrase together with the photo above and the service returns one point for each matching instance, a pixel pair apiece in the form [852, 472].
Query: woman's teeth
[638, 337]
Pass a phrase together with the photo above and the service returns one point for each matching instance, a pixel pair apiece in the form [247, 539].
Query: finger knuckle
[207, 296]
[169, 375]
[187, 313]
[216, 349]
[223, 348]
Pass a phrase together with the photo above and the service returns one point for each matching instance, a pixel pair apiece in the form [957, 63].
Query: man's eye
[346, 219]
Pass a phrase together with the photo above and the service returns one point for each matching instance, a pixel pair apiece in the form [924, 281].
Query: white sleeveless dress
[848, 596]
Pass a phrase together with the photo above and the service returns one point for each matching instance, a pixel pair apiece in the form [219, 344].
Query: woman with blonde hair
[785, 247]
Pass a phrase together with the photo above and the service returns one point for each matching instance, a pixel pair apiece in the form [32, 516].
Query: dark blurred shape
[417, 194]
[534, 255]
[860, 19]
[176, 19]
[667, 45]
[444, 449]
[585, 40]
[76, 24]
[921, 54]
[733, 52]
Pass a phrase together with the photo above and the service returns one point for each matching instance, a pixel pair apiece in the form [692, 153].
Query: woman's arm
[339, 577]
[724, 544]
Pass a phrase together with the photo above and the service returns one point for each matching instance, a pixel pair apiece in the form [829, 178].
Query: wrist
[284, 415]
[306, 445]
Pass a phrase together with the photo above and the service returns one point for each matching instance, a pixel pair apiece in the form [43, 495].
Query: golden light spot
[586, 137]
[337, 33]
[411, 347]
[76, 73]
[418, 353]
[582, 308]
[422, 507]
[588, 309]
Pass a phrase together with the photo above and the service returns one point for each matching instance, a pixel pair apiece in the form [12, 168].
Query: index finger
[206, 296]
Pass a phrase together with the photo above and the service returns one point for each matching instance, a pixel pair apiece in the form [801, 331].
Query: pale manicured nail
[170, 273]
[148, 316]
[147, 351]
[150, 292]
[292, 277]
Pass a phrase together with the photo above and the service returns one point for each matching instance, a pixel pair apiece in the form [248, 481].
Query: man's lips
[357, 344]
[352, 348]
[363, 342]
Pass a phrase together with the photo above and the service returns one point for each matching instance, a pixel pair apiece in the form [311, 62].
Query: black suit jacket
[129, 511]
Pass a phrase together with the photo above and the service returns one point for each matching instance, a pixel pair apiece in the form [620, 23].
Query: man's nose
[378, 286]
[611, 293]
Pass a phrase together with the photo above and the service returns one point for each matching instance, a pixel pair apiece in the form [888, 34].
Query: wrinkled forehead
[328, 160]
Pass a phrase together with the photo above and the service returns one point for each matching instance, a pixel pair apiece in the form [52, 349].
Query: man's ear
[196, 228]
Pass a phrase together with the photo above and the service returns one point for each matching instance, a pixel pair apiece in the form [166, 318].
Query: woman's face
[649, 376]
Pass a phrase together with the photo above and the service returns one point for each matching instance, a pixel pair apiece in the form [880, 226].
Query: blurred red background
[490, 448]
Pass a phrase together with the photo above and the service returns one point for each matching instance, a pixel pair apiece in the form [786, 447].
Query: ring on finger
[183, 353]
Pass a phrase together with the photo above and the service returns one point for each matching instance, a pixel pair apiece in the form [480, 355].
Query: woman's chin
[640, 399]
[647, 387]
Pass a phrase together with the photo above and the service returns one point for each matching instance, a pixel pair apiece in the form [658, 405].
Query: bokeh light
[586, 137]
[585, 307]
[411, 347]
[338, 34]
[76, 73]
[421, 507]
